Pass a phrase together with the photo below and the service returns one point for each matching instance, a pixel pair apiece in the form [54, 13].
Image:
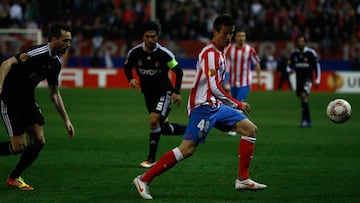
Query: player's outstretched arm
[60, 107]
[5, 68]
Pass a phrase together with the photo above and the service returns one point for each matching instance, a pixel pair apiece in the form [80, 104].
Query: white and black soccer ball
[339, 110]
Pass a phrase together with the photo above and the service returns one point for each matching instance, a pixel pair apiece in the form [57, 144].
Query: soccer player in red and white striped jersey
[211, 94]
[240, 56]
[210, 106]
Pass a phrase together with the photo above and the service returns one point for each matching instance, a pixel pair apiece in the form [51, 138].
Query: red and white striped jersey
[207, 87]
[239, 64]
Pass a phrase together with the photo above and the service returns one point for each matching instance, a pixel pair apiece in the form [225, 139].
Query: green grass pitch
[319, 164]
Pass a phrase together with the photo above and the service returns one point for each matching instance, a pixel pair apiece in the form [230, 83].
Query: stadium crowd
[329, 22]
[272, 20]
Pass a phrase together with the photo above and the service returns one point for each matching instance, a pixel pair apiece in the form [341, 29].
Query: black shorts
[303, 85]
[158, 103]
[17, 118]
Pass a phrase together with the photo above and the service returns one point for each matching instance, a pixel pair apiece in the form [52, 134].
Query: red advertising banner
[338, 81]
[93, 78]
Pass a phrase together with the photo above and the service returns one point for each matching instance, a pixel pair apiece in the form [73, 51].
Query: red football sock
[167, 161]
[246, 150]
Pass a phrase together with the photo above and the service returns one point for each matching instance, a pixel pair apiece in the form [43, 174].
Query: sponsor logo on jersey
[150, 71]
[302, 65]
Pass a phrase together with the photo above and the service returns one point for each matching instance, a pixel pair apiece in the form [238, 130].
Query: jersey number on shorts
[159, 106]
[203, 125]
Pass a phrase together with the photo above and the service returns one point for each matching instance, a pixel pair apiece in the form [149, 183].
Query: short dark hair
[55, 29]
[223, 19]
[240, 28]
[298, 37]
[150, 25]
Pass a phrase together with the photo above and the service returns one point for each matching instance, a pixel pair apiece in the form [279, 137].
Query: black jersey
[304, 63]
[34, 65]
[152, 69]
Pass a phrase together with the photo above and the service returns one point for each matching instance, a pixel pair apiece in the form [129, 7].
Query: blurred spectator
[283, 73]
[355, 65]
[108, 61]
[4, 14]
[328, 22]
[270, 63]
[326, 40]
[256, 8]
[16, 13]
[97, 43]
[31, 12]
[95, 60]
[129, 23]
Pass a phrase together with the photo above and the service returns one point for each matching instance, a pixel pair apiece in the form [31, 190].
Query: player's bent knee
[188, 154]
[246, 128]
[39, 142]
[187, 151]
[154, 123]
[18, 148]
[253, 132]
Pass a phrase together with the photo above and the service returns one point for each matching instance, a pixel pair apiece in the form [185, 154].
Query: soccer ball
[338, 111]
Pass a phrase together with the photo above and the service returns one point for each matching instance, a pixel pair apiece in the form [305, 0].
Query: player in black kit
[153, 62]
[19, 76]
[304, 61]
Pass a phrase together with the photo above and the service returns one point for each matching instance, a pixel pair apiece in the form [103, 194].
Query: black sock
[153, 143]
[172, 129]
[27, 158]
[5, 148]
[305, 110]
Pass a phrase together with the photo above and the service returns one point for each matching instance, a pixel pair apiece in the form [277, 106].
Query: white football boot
[248, 184]
[142, 188]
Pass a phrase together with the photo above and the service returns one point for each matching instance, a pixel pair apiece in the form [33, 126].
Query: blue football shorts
[240, 93]
[203, 118]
